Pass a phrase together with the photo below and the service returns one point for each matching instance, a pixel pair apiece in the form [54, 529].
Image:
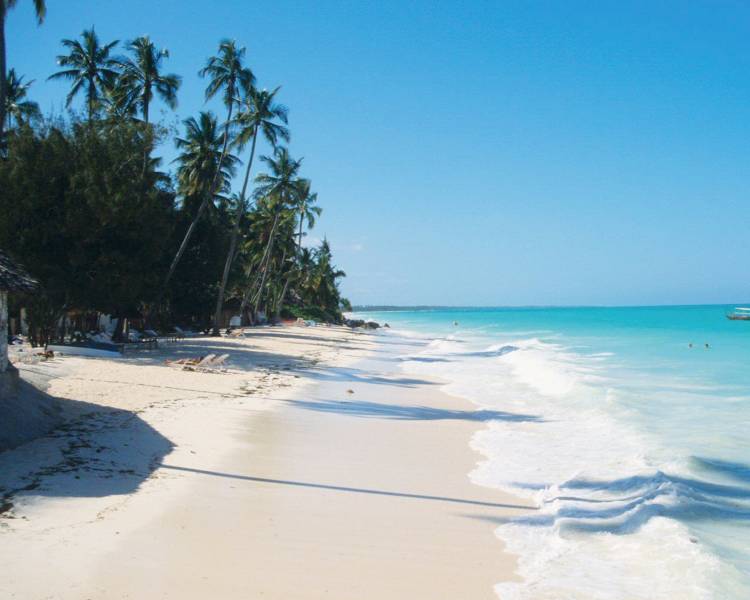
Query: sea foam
[610, 523]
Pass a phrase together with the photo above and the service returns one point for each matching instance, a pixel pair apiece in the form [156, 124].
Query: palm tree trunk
[280, 299]
[91, 92]
[146, 99]
[233, 241]
[250, 292]
[269, 251]
[245, 299]
[246, 294]
[299, 240]
[3, 69]
[146, 136]
[201, 208]
[261, 272]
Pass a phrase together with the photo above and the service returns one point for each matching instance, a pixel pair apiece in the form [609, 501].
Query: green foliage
[85, 216]
[309, 313]
[201, 156]
[226, 73]
[140, 78]
[90, 69]
[17, 107]
[85, 208]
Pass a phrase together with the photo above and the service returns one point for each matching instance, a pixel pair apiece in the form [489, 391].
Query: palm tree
[282, 183]
[5, 5]
[140, 78]
[90, 67]
[201, 161]
[306, 209]
[303, 208]
[226, 73]
[259, 113]
[278, 190]
[316, 282]
[16, 106]
[324, 284]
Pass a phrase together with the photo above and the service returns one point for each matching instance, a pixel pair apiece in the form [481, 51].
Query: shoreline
[297, 489]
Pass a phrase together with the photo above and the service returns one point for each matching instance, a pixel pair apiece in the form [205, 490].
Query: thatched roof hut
[13, 277]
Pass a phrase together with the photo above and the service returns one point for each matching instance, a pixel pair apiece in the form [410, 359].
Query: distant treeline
[92, 213]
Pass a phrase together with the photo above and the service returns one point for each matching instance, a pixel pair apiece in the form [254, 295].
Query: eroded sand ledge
[271, 481]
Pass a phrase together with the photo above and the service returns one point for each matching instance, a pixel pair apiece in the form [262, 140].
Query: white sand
[253, 483]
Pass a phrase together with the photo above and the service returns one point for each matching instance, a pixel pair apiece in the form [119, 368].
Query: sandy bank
[272, 480]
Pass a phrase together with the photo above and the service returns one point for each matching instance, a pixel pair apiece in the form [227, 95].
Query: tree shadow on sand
[354, 375]
[346, 488]
[240, 356]
[92, 451]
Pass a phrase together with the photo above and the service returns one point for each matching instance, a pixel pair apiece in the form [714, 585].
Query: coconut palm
[277, 190]
[16, 105]
[200, 160]
[315, 283]
[282, 183]
[226, 74]
[90, 68]
[259, 113]
[306, 209]
[5, 5]
[141, 78]
[323, 282]
[302, 209]
[203, 162]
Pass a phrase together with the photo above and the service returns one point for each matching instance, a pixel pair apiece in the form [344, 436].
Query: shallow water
[634, 444]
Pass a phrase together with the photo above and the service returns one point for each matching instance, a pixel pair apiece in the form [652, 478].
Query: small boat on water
[739, 314]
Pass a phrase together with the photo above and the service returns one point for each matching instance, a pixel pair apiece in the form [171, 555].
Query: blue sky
[486, 153]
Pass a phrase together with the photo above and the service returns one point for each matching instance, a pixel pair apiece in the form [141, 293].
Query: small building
[13, 278]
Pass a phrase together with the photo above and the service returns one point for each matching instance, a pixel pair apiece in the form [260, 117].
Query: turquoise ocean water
[634, 445]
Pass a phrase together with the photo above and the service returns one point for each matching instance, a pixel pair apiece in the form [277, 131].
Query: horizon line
[356, 307]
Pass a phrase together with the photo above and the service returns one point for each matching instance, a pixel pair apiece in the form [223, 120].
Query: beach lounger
[205, 361]
[215, 364]
[192, 364]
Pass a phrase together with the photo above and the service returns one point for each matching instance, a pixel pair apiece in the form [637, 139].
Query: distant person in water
[690, 345]
[455, 323]
[707, 346]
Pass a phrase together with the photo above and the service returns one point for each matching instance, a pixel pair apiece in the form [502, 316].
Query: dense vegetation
[94, 215]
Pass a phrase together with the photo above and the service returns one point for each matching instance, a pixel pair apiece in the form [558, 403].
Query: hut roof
[13, 277]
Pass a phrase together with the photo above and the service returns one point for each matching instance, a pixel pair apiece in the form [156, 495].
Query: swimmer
[455, 323]
[690, 345]
[707, 346]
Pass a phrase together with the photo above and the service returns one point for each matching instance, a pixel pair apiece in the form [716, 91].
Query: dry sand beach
[313, 468]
